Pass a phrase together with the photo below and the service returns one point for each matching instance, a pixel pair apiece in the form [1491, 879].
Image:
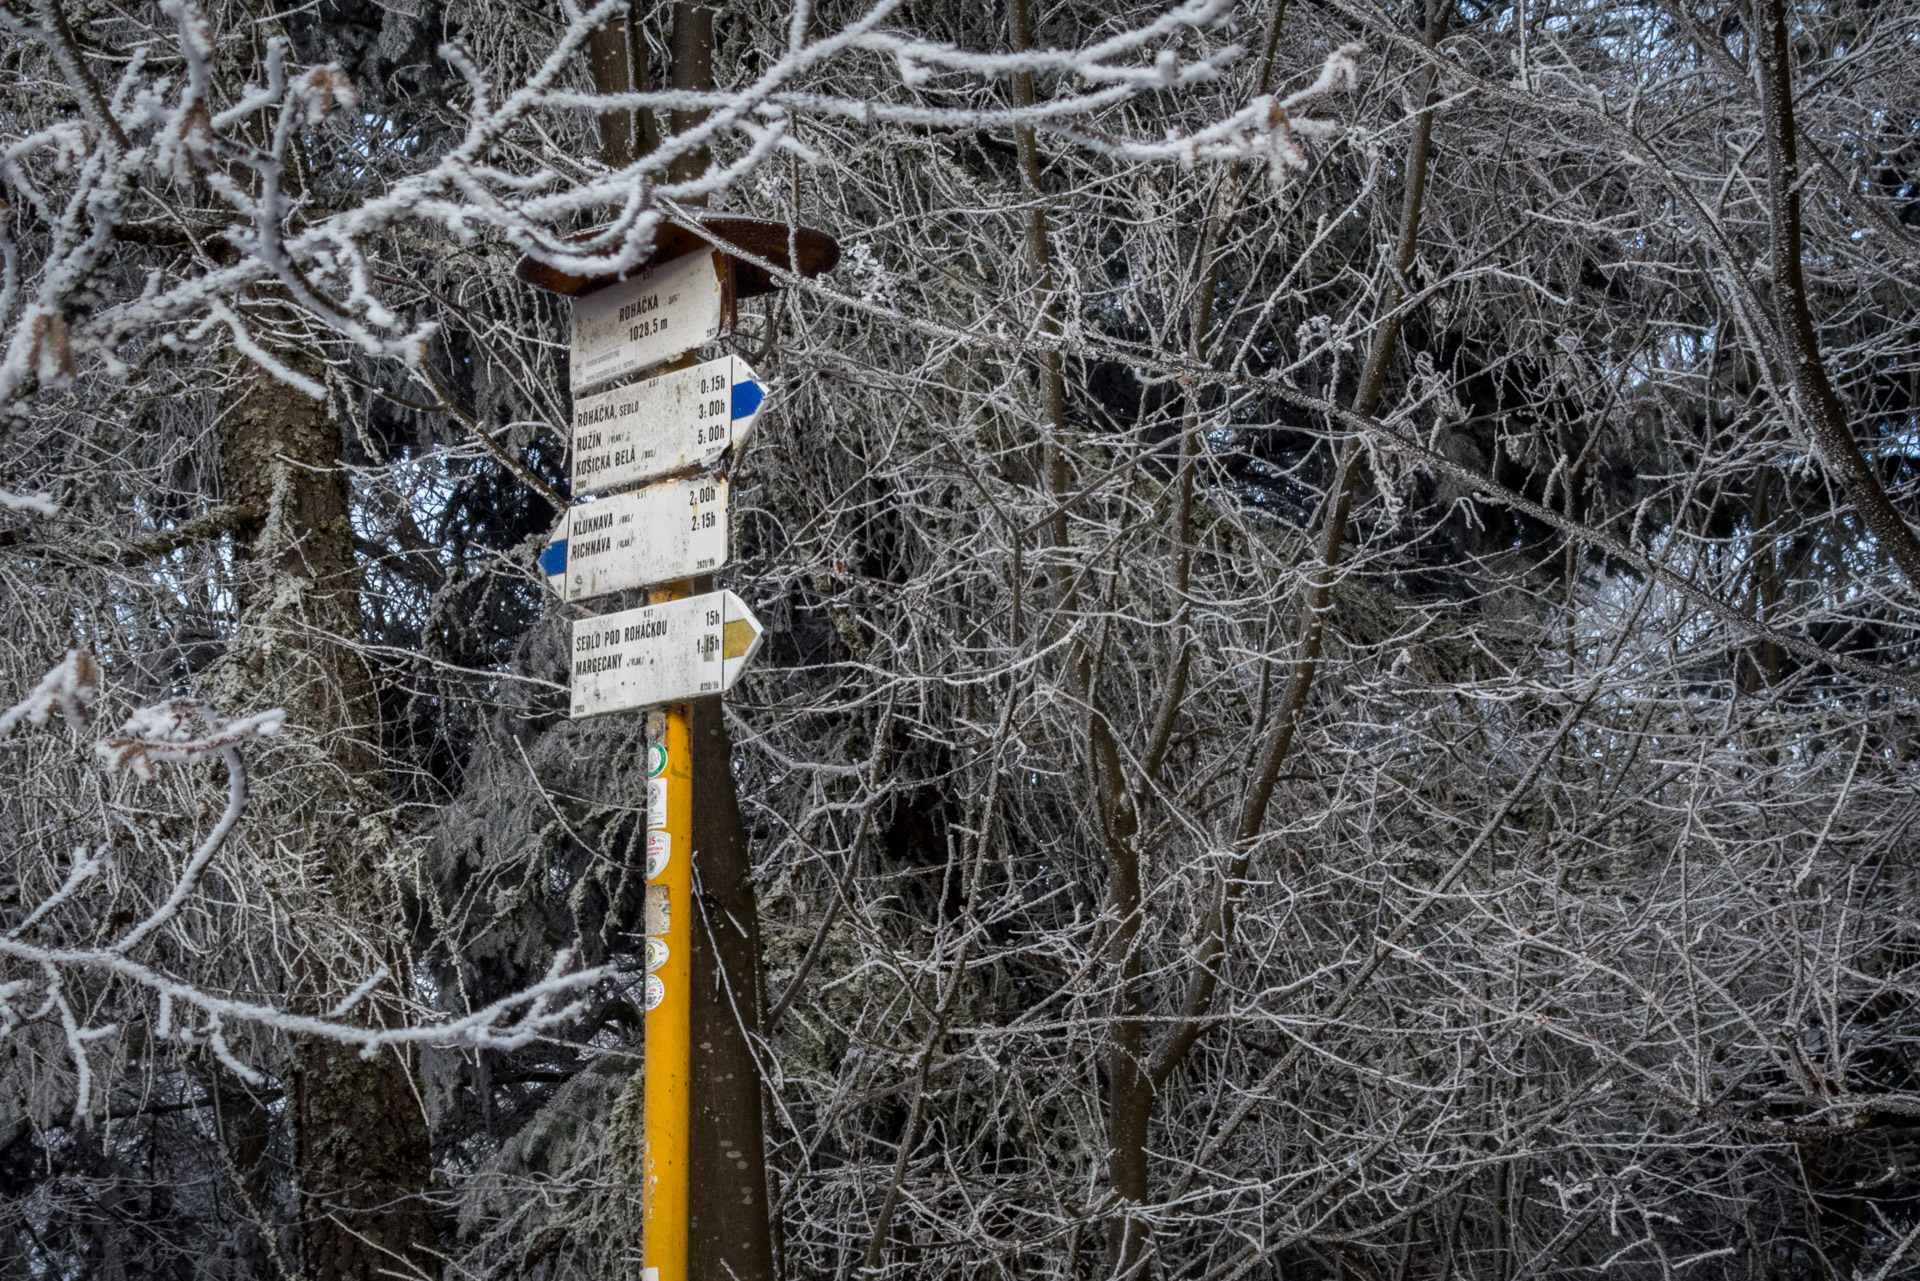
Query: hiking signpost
[654, 433]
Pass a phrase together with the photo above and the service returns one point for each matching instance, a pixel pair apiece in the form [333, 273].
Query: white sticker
[656, 802]
[656, 991]
[659, 910]
[659, 852]
[656, 954]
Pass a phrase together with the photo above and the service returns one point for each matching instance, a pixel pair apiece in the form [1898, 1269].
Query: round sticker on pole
[656, 760]
[656, 991]
[656, 953]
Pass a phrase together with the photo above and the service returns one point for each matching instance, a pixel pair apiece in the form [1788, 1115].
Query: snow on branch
[69, 689]
[32, 504]
[181, 732]
[1265, 128]
[163, 734]
[1095, 63]
[160, 126]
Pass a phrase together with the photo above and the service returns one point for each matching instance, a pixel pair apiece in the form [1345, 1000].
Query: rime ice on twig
[163, 734]
[164, 127]
[1265, 128]
[69, 688]
[32, 504]
[180, 732]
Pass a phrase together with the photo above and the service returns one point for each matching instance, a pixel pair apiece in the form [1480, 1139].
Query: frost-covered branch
[164, 128]
[41, 978]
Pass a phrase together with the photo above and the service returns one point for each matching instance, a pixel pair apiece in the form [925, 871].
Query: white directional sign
[672, 423]
[655, 315]
[661, 653]
[672, 530]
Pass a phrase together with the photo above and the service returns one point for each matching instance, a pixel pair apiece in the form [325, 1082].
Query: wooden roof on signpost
[732, 235]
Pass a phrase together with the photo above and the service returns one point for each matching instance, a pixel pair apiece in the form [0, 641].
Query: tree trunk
[1819, 405]
[361, 1159]
[617, 61]
[729, 1234]
[1130, 1092]
[693, 71]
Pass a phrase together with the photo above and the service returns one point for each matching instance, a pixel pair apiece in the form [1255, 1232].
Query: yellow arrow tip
[737, 638]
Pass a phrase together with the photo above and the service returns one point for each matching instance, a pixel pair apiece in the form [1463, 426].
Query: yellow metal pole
[669, 954]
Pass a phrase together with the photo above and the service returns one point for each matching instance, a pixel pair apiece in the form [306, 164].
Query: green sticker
[656, 760]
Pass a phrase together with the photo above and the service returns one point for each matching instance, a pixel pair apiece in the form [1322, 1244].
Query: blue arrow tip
[747, 398]
[554, 559]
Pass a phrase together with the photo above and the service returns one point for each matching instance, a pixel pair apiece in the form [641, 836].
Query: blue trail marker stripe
[554, 559]
[747, 398]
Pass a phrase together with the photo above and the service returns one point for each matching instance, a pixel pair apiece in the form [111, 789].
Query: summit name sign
[646, 319]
